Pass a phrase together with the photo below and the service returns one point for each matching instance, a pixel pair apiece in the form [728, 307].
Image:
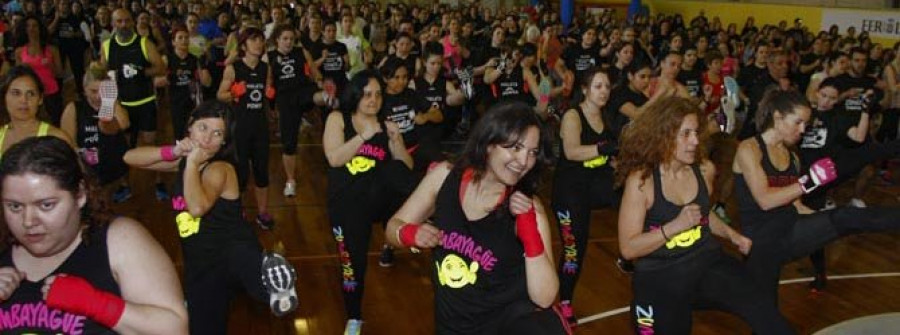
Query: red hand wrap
[527, 230]
[408, 234]
[238, 89]
[270, 92]
[76, 295]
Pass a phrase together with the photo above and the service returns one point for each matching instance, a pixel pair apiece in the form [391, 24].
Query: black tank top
[682, 246]
[512, 86]
[434, 93]
[25, 312]
[362, 169]
[290, 70]
[751, 214]
[253, 101]
[102, 153]
[565, 167]
[181, 77]
[479, 268]
[129, 61]
[221, 220]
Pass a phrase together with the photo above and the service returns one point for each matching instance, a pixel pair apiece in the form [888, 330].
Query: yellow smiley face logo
[187, 224]
[455, 273]
[360, 164]
[686, 238]
[596, 162]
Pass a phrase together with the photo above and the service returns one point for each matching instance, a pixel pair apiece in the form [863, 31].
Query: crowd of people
[669, 121]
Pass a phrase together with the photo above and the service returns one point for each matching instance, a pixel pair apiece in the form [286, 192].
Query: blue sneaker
[122, 194]
[161, 192]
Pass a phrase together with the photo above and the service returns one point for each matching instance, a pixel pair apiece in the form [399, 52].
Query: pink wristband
[167, 153]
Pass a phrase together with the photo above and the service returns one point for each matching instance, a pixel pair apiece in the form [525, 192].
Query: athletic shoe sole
[280, 279]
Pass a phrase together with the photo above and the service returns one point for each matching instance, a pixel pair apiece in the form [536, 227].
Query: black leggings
[665, 297]
[292, 104]
[352, 212]
[523, 317]
[215, 269]
[252, 143]
[573, 200]
[808, 233]
[180, 110]
[74, 52]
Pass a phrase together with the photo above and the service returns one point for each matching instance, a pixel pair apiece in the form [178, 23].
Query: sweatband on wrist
[167, 153]
[527, 230]
[407, 234]
[76, 295]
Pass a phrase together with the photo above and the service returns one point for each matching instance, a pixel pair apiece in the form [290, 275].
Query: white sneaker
[858, 203]
[354, 327]
[290, 189]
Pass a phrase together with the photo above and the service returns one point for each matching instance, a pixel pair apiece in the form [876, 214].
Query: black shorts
[143, 117]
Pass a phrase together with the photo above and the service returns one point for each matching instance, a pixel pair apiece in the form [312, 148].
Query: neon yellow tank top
[43, 128]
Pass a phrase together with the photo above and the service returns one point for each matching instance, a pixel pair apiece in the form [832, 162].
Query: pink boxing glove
[76, 295]
[821, 172]
[527, 230]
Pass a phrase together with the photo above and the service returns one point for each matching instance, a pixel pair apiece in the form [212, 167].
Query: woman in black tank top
[219, 248]
[665, 227]
[769, 185]
[583, 179]
[101, 142]
[69, 266]
[368, 178]
[483, 284]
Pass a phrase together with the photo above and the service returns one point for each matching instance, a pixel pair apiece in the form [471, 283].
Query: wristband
[527, 231]
[663, 231]
[76, 295]
[167, 153]
[407, 234]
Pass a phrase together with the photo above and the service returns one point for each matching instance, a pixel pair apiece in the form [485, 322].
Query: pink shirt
[43, 67]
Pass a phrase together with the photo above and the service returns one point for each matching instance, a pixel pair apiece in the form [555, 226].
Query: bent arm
[540, 273]
[139, 263]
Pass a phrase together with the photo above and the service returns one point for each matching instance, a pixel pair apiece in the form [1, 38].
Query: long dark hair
[777, 100]
[216, 109]
[22, 32]
[52, 157]
[502, 125]
[14, 73]
[354, 92]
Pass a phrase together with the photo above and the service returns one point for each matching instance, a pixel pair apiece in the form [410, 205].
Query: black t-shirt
[580, 60]
[846, 82]
[252, 102]
[692, 80]
[333, 67]
[402, 109]
[750, 74]
[102, 153]
[181, 77]
[618, 98]
[826, 134]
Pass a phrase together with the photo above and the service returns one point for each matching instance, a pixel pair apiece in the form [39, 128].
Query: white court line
[625, 309]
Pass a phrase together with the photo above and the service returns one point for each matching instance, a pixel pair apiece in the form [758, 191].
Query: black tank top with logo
[479, 269]
[290, 70]
[363, 169]
[582, 170]
[221, 220]
[181, 78]
[26, 312]
[253, 102]
[433, 93]
[103, 153]
[754, 218]
[129, 62]
[681, 246]
[512, 85]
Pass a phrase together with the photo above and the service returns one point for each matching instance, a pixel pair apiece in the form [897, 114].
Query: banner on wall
[878, 23]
